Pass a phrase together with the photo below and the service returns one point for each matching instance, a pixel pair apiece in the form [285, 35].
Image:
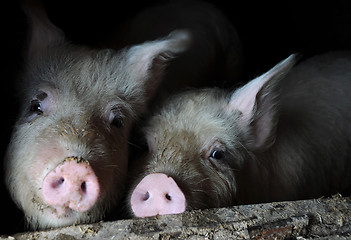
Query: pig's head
[67, 159]
[200, 140]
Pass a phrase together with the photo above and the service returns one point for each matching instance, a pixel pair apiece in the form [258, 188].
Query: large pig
[67, 159]
[284, 135]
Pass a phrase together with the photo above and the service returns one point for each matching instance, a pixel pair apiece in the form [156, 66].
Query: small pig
[67, 159]
[285, 135]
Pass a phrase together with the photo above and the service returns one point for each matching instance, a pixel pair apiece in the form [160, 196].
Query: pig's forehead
[189, 123]
[78, 74]
[188, 142]
[199, 115]
[79, 69]
[90, 76]
[203, 107]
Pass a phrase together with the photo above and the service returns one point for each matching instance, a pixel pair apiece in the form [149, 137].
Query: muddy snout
[72, 184]
[157, 194]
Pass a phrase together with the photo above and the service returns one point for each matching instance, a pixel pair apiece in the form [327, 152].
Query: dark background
[270, 31]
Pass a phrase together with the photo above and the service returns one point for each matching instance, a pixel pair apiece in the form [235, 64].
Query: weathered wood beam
[328, 218]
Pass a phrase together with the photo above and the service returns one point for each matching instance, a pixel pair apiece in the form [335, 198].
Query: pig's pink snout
[157, 194]
[72, 184]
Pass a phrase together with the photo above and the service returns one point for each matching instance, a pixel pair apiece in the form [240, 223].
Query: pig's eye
[35, 107]
[39, 105]
[217, 154]
[116, 118]
[117, 122]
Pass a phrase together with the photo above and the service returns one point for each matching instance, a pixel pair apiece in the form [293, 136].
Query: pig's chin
[60, 216]
[61, 212]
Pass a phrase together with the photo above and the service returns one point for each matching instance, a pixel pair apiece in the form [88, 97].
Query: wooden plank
[328, 218]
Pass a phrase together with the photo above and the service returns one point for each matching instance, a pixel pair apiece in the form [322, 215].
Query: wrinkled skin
[283, 136]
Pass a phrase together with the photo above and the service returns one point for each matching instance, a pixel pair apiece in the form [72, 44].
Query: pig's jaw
[58, 216]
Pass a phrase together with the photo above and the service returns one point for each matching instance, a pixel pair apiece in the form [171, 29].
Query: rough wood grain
[328, 218]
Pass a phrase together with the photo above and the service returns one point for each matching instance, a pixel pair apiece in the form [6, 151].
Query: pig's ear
[146, 62]
[42, 32]
[257, 102]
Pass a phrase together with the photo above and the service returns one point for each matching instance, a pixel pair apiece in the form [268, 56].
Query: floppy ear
[258, 103]
[43, 33]
[145, 63]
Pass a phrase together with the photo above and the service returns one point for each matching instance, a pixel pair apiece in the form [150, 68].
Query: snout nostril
[58, 183]
[168, 197]
[61, 180]
[146, 196]
[83, 187]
